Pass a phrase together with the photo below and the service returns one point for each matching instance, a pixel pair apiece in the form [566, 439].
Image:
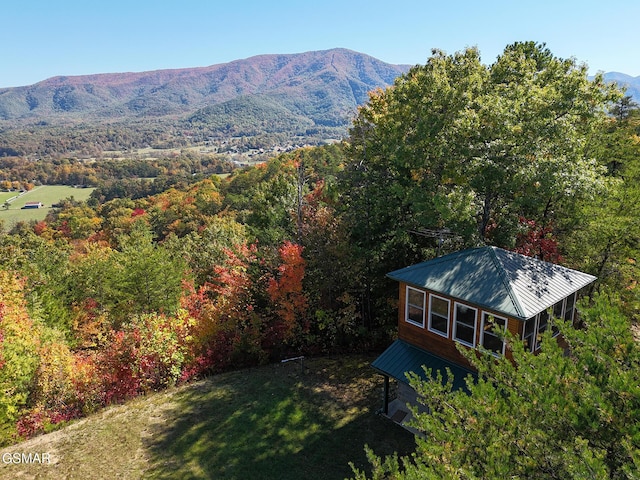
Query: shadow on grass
[278, 422]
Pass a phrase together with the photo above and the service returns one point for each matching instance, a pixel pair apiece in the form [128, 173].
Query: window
[570, 308]
[439, 315]
[534, 327]
[529, 333]
[558, 310]
[491, 339]
[415, 306]
[465, 325]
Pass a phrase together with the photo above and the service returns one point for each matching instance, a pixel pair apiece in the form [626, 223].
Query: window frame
[483, 331]
[429, 327]
[455, 324]
[407, 304]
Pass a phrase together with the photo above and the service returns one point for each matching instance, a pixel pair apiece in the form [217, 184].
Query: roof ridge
[443, 258]
[506, 281]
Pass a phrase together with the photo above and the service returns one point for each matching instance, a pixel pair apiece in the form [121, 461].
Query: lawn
[273, 422]
[47, 194]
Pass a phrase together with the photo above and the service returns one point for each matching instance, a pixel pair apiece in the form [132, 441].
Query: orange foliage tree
[286, 294]
[227, 329]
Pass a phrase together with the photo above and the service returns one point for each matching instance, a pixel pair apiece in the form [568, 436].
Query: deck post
[385, 406]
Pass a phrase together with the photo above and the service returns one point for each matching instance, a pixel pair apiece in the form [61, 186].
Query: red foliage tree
[40, 227]
[117, 363]
[537, 241]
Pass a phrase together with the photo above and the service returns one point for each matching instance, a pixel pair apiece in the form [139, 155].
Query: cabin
[462, 299]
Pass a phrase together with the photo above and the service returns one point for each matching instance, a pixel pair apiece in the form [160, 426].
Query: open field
[273, 422]
[4, 196]
[47, 194]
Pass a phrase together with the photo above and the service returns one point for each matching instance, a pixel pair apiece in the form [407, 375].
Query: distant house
[33, 205]
[460, 299]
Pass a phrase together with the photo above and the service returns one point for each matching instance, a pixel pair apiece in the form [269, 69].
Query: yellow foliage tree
[19, 353]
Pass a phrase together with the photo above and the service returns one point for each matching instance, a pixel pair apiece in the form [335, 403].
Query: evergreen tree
[554, 415]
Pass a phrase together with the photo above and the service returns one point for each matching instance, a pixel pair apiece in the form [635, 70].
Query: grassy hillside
[273, 422]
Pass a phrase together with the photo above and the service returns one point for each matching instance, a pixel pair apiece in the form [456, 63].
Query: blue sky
[45, 38]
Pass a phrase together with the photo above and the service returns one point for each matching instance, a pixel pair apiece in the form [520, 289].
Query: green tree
[547, 416]
[140, 276]
[603, 235]
[45, 266]
[149, 278]
[456, 145]
[459, 144]
[205, 249]
[19, 343]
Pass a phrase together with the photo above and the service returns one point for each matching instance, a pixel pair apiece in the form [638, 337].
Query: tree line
[71, 171]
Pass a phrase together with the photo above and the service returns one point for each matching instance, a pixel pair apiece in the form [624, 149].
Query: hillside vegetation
[283, 421]
[305, 77]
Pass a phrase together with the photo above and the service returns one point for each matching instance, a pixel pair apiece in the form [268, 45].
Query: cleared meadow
[46, 194]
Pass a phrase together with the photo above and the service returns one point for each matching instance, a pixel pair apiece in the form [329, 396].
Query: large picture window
[493, 330]
[465, 324]
[439, 315]
[415, 306]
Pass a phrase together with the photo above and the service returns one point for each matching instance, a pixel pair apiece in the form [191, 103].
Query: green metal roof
[402, 357]
[496, 279]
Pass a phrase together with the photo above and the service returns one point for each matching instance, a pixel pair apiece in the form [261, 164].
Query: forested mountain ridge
[336, 77]
[267, 101]
[263, 102]
[323, 85]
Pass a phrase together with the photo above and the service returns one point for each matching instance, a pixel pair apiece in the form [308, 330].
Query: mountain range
[306, 95]
[631, 84]
[323, 86]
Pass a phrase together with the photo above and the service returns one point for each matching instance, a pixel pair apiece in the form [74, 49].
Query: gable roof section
[496, 279]
[402, 357]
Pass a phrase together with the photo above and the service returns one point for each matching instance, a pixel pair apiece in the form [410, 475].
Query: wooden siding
[437, 344]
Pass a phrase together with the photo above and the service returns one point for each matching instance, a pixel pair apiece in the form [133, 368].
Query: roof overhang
[402, 357]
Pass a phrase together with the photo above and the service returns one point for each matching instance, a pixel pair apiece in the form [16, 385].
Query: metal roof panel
[499, 280]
